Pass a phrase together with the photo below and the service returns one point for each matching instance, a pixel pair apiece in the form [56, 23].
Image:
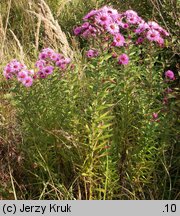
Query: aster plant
[108, 29]
[94, 129]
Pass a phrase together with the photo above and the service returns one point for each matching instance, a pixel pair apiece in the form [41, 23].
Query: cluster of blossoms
[49, 60]
[20, 71]
[108, 20]
[119, 28]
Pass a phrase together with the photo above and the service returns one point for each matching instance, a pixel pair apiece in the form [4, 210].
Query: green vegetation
[90, 132]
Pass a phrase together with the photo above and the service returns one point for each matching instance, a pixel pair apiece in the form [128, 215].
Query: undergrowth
[96, 129]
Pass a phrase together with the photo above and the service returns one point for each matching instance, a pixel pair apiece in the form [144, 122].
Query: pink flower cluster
[108, 20]
[114, 30]
[49, 60]
[102, 21]
[20, 71]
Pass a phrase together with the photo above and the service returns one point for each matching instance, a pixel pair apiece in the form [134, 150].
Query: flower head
[27, 81]
[112, 28]
[85, 25]
[77, 30]
[118, 40]
[22, 75]
[140, 40]
[40, 64]
[142, 27]
[160, 41]
[123, 59]
[48, 70]
[170, 75]
[103, 18]
[130, 13]
[153, 35]
[55, 57]
[89, 32]
[132, 19]
[90, 14]
[92, 53]
[110, 11]
[153, 25]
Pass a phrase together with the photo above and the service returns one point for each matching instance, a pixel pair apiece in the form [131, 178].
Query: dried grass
[19, 45]
[5, 28]
[61, 7]
[37, 33]
[2, 33]
[54, 36]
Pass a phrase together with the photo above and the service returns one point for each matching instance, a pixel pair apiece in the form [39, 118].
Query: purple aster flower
[140, 20]
[60, 62]
[41, 74]
[92, 53]
[22, 75]
[13, 68]
[103, 18]
[141, 28]
[132, 19]
[48, 70]
[16, 66]
[90, 32]
[160, 41]
[125, 26]
[170, 75]
[43, 56]
[118, 40]
[63, 66]
[109, 10]
[77, 31]
[123, 59]
[7, 73]
[153, 25]
[86, 34]
[131, 13]
[46, 53]
[55, 57]
[67, 61]
[90, 14]
[40, 64]
[27, 81]
[153, 35]
[140, 40]
[118, 19]
[112, 28]
[85, 25]
[8, 69]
